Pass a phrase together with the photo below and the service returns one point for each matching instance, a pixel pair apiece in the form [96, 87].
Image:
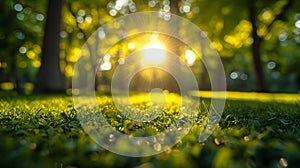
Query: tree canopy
[258, 41]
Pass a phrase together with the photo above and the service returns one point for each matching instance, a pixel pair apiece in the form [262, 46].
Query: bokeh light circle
[95, 50]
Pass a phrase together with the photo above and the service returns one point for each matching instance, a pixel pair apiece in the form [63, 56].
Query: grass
[43, 131]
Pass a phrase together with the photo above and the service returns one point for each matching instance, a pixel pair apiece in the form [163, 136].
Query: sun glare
[154, 54]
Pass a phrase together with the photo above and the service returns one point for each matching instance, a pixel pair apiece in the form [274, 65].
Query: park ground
[256, 130]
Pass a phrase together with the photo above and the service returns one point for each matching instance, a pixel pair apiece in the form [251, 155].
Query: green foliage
[43, 131]
[227, 25]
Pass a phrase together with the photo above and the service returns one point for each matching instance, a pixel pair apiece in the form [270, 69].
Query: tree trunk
[174, 7]
[15, 74]
[50, 79]
[260, 82]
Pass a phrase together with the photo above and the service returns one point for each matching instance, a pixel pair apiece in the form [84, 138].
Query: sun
[154, 54]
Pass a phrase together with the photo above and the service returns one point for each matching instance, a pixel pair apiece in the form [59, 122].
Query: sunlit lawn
[256, 130]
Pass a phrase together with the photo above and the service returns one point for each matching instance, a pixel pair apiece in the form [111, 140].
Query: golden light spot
[157, 146]
[75, 91]
[37, 49]
[28, 88]
[69, 29]
[267, 15]
[73, 57]
[30, 54]
[7, 86]
[69, 91]
[88, 19]
[234, 41]
[76, 51]
[36, 63]
[131, 46]
[245, 25]
[69, 71]
[262, 30]
[217, 45]
[240, 35]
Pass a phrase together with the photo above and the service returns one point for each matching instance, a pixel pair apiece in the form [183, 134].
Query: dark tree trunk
[174, 7]
[204, 84]
[260, 82]
[50, 78]
[14, 69]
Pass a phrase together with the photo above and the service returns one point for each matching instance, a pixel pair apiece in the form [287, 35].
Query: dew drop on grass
[217, 142]
[111, 138]
[246, 138]
[157, 146]
[121, 129]
[283, 162]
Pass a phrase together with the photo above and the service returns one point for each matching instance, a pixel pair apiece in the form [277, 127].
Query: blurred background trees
[258, 41]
